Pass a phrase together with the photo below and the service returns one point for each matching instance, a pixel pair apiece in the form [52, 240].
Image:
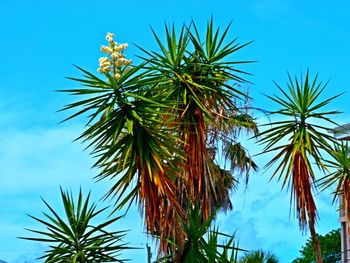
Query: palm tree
[74, 238]
[156, 128]
[299, 140]
[340, 164]
[258, 256]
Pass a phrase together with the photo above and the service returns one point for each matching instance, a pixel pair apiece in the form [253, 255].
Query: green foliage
[340, 165]
[258, 256]
[340, 175]
[75, 238]
[202, 243]
[207, 250]
[331, 249]
[299, 137]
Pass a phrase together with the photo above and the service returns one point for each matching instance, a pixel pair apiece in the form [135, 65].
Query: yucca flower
[109, 37]
[106, 50]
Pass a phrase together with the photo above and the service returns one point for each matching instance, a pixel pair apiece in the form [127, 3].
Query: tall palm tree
[258, 256]
[299, 138]
[156, 128]
[74, 238]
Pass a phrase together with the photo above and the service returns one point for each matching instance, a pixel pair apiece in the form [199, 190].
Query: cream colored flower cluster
[114, 62]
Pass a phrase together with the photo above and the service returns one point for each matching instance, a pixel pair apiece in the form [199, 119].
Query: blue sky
[40, 40]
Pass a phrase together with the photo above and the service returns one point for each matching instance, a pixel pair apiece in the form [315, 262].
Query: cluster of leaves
[75, 238]
[339, 166]
[202, 243]
[331, 249]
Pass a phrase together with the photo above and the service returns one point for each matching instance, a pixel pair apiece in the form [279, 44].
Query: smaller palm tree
[75, 239]
[258, 256]
[340, 164]
[202, 244]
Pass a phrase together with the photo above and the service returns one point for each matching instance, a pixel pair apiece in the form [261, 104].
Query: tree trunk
[315, 241]
[180, 242]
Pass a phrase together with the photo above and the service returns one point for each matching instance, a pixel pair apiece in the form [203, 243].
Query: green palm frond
[216, 49]
[227, 252]
[202, 243]
[240, 159]
[240, 121]
[340, 165]
[74, 238]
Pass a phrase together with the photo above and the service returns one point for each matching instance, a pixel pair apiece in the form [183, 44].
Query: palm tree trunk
[315, 241]
[180, 242]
